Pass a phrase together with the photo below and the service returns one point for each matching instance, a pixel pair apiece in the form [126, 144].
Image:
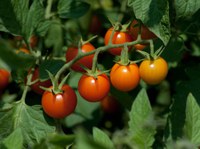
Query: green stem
[48, 9]
[98, 50]
[151, 48]
[59, 129]
[94, 61]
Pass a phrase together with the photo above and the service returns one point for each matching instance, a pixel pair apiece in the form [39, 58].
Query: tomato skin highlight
[86, 61]
[4, 78]
[59, 105]
[118, 38]
[153, 71]
[125, 78]
[94, 89]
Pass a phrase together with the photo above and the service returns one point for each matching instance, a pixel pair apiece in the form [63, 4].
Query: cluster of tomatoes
[94, 86]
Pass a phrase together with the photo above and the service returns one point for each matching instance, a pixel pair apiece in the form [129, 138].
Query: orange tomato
[125, 78]
[153, 71]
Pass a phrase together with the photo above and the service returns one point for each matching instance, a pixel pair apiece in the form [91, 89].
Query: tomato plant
[4, 78]
[36, 86]
[119, 37]
[125, 78]
[86, 61]
[94, 88]
[157, 88]
[153, 71]
[59, 105]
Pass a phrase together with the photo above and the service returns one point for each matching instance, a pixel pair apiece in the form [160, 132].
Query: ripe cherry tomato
[119, 37]
[59, 105]
[86, 61]
[140, 46]
[4, 78]
[33, 40]
[94, 89]
[145, 34]
[36, 86]
[153, 71]
[109, 104]
[125, 78]
[24, 50]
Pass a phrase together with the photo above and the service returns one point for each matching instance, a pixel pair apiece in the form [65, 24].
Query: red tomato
[94, 89]
[36, 86]
[153, 71]
[109, 104]
[145, 32]
[85, 61]
[59, 105]
[118, 38]
[33, 40]
[125, 78]
[4, 78]
[95, 25]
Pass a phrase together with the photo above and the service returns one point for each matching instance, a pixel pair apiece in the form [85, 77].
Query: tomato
[125, 78]
[23, 50]
[145, 32]
[94, 89]
[153, 71]
[4, 78]
[95, 25]
[36, 86]
[140, 46]
[86, 61]
[119, 37]
[109, 104]
[59, 105]
[33, 41]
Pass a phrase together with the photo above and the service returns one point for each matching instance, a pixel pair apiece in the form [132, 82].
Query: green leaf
[56, 141]
[186, 8]
[14, 140]
[192, 120]
[13, 60]
[155, 15]
[34, 126]
[102, 138]
[72, 8]
[85, 141]
[43, 27]
[141, 125]
[33, 18]
[21, 22]
[10, 13]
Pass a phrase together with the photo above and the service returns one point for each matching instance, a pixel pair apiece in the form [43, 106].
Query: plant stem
[48, 9]
[98, 50]
[94, 61]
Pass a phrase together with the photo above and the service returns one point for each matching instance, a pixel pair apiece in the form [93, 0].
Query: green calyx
[124, 57]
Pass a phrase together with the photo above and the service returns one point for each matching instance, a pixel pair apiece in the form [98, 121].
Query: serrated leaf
[14, 140]
[141, 125]
[21, 22]
[34, 126]
[102, 138]
[192, 120]
[43, 27]
[72, 8]
[155, 15]
[186, 8]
